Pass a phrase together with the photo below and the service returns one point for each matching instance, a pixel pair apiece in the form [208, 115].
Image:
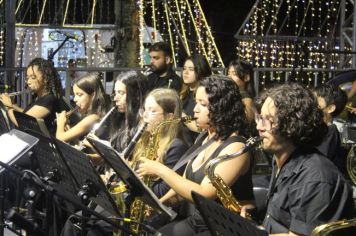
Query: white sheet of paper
[10, 147]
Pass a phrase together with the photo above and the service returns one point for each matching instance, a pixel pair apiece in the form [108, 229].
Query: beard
[160, 69]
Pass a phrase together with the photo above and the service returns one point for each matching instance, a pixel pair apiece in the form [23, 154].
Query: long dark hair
[201, 68]
[91, 84]
[51, 78]
[244, 69]
[226, 110]
[124, 125]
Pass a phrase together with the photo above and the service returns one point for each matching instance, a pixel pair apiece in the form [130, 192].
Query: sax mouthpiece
[188, 119]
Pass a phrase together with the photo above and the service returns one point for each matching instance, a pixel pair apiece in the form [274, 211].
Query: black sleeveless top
[242, 189]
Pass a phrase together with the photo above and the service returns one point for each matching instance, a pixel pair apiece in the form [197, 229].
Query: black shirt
[332, 149]
[309, 191]
[189, 103]
[52, 104]
[173, 154]
[171, 80]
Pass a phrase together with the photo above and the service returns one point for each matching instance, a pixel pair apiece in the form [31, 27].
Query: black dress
[52, 104]
[194, 223]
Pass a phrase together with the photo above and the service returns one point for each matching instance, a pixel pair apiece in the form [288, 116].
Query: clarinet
[97, 126]
[129, 149]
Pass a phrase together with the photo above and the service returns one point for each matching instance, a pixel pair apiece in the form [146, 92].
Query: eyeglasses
[266, 123]
[149, 113]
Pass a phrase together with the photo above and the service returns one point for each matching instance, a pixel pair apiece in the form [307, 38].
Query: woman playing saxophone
[219, 111]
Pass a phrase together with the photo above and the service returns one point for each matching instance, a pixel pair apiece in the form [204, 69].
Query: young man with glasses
[306, 189]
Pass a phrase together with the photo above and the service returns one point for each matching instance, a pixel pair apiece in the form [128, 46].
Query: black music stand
[18, 144]
[134, 184]
[26, 122]
[86, 176]
[221, 221]
[4, 120]
[52, 189]
[67, 169]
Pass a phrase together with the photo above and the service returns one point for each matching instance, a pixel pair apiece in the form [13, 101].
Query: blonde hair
[169, 100]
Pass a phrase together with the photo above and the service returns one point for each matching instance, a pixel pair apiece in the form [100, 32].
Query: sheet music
[10, 147]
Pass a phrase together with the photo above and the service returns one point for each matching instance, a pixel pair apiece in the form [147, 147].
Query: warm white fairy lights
[301, 38]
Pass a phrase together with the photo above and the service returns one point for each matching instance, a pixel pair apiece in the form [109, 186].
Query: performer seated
[130, 92]
[160, 105]
[195, 68]
[163, 75]
[44, 82]
[220, 111]
[306, 188]
[242, 73]
[332, 100]
[92, 104]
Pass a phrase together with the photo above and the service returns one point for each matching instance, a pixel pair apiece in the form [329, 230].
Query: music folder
[130, 178]
[14, 145]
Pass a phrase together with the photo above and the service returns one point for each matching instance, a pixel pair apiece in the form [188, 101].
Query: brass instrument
[325, 229]
[223, 191]
[138, 209]
[351, 164]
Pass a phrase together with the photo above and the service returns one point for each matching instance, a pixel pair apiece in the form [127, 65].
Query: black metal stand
[134, 184]
[221, 221]
[30, 141]
[25, 176]
[71, 172]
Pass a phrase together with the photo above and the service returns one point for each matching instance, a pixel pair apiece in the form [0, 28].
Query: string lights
[182, 23]
[294, 34]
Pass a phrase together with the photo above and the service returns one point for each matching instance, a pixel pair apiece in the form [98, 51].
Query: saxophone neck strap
[190, 154]
[228, 141]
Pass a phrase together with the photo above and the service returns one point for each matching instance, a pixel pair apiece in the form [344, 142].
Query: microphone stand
[50, 57]
[24, 175]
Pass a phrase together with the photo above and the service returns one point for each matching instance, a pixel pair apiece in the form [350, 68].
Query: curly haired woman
[44, 82]
[219, 111]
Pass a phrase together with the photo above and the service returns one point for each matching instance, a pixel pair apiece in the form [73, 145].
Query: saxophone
[223, 191]
[331, 227]
[326, 229]
[139, 209]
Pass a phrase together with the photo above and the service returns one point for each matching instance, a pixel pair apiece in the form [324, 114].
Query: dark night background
[225, 18]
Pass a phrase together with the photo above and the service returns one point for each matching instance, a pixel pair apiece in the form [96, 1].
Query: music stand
[26, 122]
[50, 164]
[135, 185]
[86, 175]
[18, 144]
[4, 120]
[221, 221]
